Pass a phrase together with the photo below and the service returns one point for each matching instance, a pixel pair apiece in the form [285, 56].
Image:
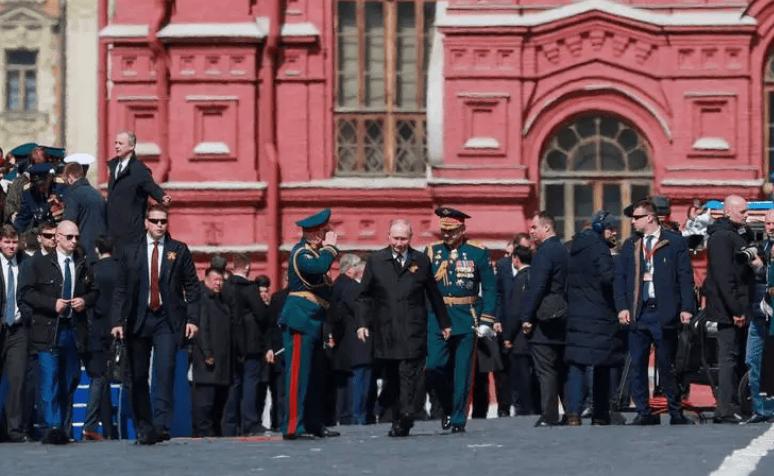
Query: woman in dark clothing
[593, 333]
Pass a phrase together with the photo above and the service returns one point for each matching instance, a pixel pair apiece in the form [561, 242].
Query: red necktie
[155, 298]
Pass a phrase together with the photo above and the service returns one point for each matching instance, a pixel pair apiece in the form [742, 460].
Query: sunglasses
[48, 236]
[157, 221]
[637, 217]
[69, 237]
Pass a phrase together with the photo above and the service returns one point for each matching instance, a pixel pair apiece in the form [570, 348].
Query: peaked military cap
[23, 150]
[80, 158]
[41, 170]
[313, 221]
[54, 152]
[451, 218]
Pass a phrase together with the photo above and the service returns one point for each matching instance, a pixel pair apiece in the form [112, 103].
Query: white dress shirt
[150, 242]
[401, 258]
[60, 257]
[651, 288]
[5, 263]
[122, 165]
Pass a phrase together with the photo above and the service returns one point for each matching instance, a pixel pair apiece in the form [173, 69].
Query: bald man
[728, 286]
[58, 289]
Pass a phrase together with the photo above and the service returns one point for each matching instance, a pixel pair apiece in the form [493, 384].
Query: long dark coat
[512, 325]
[349, 351]
[85, 206]
[594, 336]
[215, 339]
[392, 304]
[242, 296]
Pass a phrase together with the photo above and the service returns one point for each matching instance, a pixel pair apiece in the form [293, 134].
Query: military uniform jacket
[463, 274]
[35, 208]
[309, 288]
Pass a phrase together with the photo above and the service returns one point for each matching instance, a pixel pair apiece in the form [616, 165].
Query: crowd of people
[558, 325]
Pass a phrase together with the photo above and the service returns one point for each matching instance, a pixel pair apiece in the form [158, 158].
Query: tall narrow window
[383, 49]
[768, 91]
[591, 163]
[21, 82]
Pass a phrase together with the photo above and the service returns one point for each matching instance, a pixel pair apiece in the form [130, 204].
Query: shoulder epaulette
[26, 186]
[477, 244]
[429, 248]
[59, 179]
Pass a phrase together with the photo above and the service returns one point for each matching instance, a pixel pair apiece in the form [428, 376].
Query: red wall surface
[192, 80]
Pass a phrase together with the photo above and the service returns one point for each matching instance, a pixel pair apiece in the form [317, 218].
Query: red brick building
[255, 112]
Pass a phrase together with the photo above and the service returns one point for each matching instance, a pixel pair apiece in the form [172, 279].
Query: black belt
[649, 304]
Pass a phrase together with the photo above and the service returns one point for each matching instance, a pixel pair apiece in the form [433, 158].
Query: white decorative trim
[704, 94]
[212, 30]
[147, 148]
[482, 143]
[678, 18]
[223, 249]
[359, 182]
[212, 148]
[435, 94]
[483, 181]
[214, 185]
[711, 143]
[712, 183]
[117, 30]
[299, 29]
[204, 97]
[475, 95]
[137, 98]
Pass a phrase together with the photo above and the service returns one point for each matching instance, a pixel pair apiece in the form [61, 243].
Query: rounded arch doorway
[593, 162]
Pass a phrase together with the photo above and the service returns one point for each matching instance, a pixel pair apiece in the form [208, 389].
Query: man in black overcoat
[397, 282]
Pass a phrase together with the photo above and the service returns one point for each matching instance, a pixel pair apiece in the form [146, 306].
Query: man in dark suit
[84, 206]
[274, 356]
[13, 335]
[653, 293]
[99, 408]
[58, 288]
[543, 314]
[396, 282]
[155, 307]
[129, 185]
[521, 368]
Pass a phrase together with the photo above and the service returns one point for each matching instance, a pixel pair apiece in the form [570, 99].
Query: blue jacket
[505, 281]
[673, 278]
[85, 206]
[548, 276]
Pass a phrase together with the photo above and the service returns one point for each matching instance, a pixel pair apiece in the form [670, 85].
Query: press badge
[647, 277]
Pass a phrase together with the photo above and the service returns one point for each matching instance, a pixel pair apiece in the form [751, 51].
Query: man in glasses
[58, 289]
[653, 294]
[155, 307]
[731, 266]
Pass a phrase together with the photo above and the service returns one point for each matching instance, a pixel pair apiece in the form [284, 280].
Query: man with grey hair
[397, 282]
[129, 185]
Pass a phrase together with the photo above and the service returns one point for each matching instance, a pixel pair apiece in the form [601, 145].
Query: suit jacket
[548, 276]
[85, 206]
[392, 304]
[178, 286]
[673, 278]
[505, 280]
[242, 296]
[128, 199]
[20, 259]
[105, 273]
[512, 323]
[42, 286]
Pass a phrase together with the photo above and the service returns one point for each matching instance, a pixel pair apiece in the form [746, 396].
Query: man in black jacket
[58, 288]
[129, 185]
[274, 356]
[396, 282]
[85, 206]
[155, 308]
[730, 279]
[542, 317]
[243, 298]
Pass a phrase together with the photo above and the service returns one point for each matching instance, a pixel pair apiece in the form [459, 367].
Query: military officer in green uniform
[467, 283]
[301, 321]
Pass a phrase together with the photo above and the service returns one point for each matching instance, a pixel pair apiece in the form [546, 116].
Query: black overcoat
[349, 352]
[215, 339]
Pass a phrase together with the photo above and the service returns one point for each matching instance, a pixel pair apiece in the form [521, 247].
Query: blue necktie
[648, 268]
[10, 296]
[67, 290]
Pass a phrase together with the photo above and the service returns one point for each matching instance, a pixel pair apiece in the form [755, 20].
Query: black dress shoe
[600, 421]
[756, 418]
[458, 428]
[324, 432]
[14, 437]
[398, 432]
[680, 420]
[299, 436]
[163, 435]
[574, 420]
[55, 436]
[503, 413]
[728, 419]
[445, 422]
[149, 437]
[646, 420]
[541, 423]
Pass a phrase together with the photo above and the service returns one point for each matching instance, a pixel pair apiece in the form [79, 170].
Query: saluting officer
[467, 284]
[301, 320]
[41, 199]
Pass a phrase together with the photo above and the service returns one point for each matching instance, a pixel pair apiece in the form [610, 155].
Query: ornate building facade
[254, 113]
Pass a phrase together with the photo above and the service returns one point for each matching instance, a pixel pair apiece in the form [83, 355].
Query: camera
[747, 254]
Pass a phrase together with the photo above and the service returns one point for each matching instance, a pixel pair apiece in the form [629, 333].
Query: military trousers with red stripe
[450, 372]
[303, 380]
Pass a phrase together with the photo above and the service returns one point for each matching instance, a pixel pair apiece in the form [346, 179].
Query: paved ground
[490, 447]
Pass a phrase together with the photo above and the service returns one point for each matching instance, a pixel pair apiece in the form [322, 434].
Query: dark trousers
[208, 402]
[343, 393]
[549, 368]
[276, 377]
[730, 339]
[99, 407]
[13, 366]
[402, 377]
[522, 381]
[32, 408]
[577, 390]
[59, 374]
[246, 397]
[360, 388]
[155, 334]
[480, 394]
[502, 380]
[647, 331]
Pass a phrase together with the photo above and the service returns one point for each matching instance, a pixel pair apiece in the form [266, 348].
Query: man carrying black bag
[543, 314]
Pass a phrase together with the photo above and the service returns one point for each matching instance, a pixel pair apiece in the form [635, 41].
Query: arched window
[590, 163]
[768, 91]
